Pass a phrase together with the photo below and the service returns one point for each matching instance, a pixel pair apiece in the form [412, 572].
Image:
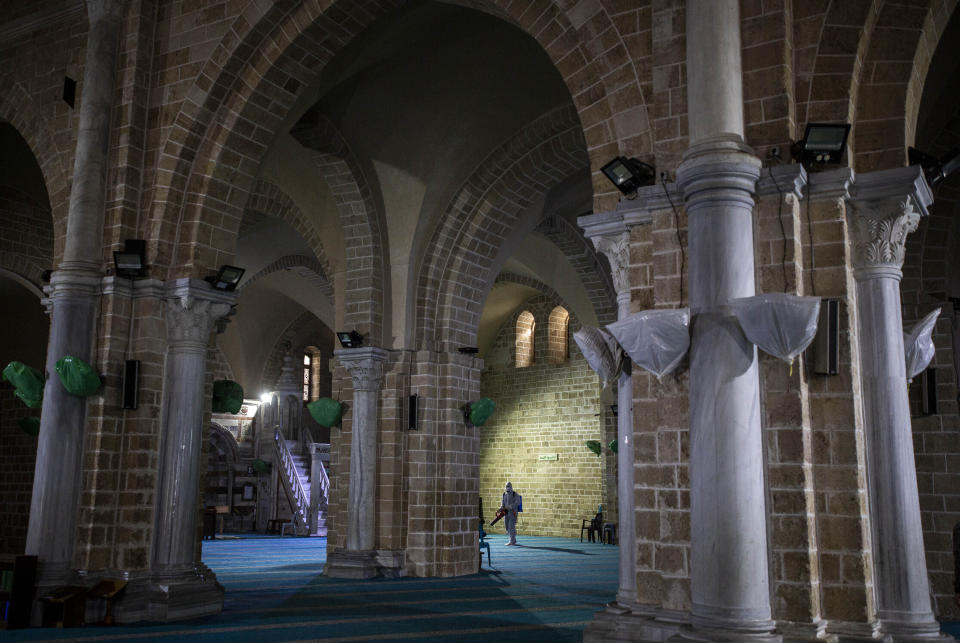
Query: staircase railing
[291, 482]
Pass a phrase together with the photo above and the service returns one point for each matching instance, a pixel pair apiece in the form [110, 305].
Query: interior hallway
[546, 589]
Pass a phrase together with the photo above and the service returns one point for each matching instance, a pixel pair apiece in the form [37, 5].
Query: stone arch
[225, 443]
[891, 80]
[272, 51]
[363, 227]
[282, 347]
[481, 216]
[583, 256]
[20, 279]
[524, 347]
[307, 267]
[270, 199]
[26, 116]
[539, 286]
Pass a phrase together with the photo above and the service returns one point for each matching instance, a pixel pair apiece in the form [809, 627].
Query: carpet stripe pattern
[545, 589]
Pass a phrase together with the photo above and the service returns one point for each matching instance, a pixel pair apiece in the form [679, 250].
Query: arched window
[557, 335]
[525, 327]
[307, 376]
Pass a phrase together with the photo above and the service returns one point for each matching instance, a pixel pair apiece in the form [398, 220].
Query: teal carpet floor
[545, 589]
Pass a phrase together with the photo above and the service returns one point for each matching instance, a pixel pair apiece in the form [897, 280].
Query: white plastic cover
[918, 345]
[780, 324]
[655, 339]
[601, 352]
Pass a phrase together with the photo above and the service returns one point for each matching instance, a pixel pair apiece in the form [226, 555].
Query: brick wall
[542, 409]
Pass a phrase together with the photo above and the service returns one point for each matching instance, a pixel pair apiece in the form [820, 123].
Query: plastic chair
[592, 526]
[484, 544]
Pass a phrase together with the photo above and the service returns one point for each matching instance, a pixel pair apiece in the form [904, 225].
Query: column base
[166, 598]
[617, 622]
[724, 635]
[345, 563]
[391, 563]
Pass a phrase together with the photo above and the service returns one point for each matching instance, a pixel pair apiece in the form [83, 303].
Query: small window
[557, 335]
[524, 342]
[307, 377]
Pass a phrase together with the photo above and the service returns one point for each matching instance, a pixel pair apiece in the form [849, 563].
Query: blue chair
[484, 544]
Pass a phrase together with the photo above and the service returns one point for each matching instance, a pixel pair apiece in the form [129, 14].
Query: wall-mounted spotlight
[227, 278]
[131, 261]
[266, 398]
[936, 170]
[822, 144]
[628, 174]
[353, 339]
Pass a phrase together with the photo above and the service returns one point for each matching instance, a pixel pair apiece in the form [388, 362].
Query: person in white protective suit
[511, 505]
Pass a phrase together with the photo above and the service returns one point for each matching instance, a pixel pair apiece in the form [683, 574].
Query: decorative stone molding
[880, 233]
[365, 366]
[788, 180]
[617, 249]
[193, 307]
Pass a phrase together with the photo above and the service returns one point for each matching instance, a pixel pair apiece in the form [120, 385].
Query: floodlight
[822, 144]
[628, 174]
[131, 261]
[351, 339]
[227, 278]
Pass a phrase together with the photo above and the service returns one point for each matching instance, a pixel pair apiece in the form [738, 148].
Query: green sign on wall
[548, 456]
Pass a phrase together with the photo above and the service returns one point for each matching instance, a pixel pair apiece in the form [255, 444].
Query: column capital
[193, 307]
[365, 365]
[616, 246]
[883, 209]
[99, 10]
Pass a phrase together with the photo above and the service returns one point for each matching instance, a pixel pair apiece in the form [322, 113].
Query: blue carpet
[545, 589]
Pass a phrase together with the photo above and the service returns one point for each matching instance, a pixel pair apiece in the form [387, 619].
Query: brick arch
[583, 257]
[543, 289]
[224, 124]
[361, 217]
[891, 80]
[282, 347]
[25, 115]
[26, 239]
[268, 198]
[312, 271]
[455, 275]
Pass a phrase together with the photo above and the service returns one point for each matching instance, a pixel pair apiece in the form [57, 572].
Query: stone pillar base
[346, 563]
[617, 623]
[688, 633]
[391, 563]
[166, 600]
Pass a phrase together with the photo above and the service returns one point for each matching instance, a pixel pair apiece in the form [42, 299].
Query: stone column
[729, 578]
[884, 208]
[192, 309]
[617, 249]
[358, 560]
[315, 490]
[75, 290]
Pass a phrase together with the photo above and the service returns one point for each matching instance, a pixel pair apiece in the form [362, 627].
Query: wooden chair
[484, 544]
[592, 526]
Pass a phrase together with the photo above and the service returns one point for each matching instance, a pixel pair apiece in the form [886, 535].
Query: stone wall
[543, 410]
[18, 452]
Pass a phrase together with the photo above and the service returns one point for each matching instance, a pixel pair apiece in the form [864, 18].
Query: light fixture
[628, 174]
[265, 398]
[936, 170]
[353, 339]
[131, 261]
[227, 278]
[822, 144]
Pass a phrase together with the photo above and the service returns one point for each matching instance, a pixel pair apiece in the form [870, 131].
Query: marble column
[73, 299]
[192, 309]
[884, 208]
[316, 492]
[729, 576]
[358, 560]
[616, 247]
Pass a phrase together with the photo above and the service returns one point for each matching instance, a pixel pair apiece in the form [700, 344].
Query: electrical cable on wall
[676, 221]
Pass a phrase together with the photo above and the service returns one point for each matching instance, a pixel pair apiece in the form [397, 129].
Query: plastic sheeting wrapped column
[601, 352]
[780, 324]
[656, 340]
[918, 345]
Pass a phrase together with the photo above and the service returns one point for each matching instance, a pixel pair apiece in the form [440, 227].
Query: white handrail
[292, 479]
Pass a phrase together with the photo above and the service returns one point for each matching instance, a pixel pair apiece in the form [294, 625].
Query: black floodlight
[131, 261]
[628, 174]
[936, 170]
[353, 339]
[822, 144]
[227, 278]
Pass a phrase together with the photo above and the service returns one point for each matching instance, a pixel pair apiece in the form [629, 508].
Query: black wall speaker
[928, 391]
[131, 382]
[69, 90]
[412, 412]
[826, 344]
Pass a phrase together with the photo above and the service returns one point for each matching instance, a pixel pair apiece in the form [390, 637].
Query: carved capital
[365, 366]
[190, 321]
[617, 249]
[880, 230]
